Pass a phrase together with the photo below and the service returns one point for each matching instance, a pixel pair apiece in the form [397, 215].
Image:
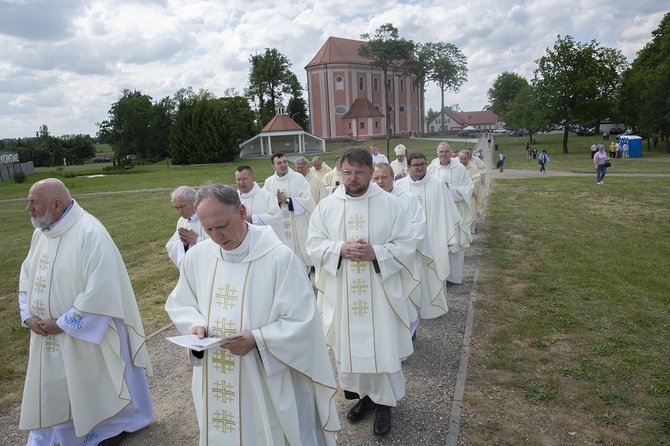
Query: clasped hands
[244, 343]
[43, 327]
[281, 197]
[187, 236]
[357, 250]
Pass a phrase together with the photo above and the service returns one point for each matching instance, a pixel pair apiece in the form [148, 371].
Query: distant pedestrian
[501, 160]
[599, 160]
[534, 152]
[655, 141]
[544, 159]
[612, 150]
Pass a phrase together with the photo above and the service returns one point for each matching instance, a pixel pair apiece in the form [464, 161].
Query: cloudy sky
[63, 63]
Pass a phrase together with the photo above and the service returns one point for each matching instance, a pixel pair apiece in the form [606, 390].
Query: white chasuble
[442, 218]
[430, 297]
[363, 303]
[72, 270]
[294, 222]
[460, 187]
[264, 209]
[280, 392]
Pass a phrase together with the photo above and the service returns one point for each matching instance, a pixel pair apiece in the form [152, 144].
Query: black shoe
[382, 424]
[114, 441]
[364, 405]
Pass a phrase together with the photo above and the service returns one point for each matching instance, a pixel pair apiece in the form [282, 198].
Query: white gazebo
[281, 134]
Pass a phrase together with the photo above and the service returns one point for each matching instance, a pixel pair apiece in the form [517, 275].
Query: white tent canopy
[469, 128]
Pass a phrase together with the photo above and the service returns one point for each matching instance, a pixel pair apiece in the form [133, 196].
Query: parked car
[466, 134]
[500, 131]
[101, 159]
[584, 132]
[616, 131]
[131, 157]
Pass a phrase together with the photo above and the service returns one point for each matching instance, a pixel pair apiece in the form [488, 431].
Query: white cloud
[64, 63]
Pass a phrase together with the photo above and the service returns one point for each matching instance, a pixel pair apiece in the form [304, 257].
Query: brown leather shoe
[382, 424]
[364, 405]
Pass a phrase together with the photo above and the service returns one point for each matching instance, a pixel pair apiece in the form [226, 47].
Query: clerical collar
[53, 225]
[193, 218]
[236, 255]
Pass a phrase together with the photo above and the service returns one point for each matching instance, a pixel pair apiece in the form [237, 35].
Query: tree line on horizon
[577, 83]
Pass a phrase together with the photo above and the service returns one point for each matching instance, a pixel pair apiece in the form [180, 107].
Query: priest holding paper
[272, 383]
[362, 245]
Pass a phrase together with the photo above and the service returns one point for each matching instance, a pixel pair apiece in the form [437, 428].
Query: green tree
[504, 90]
[419, 66]
[208, 129]
[643, 98]
[127, 128]
[297, 110]
[79, 147]
[161, 120]
[270, 78]
[448, 69]
[568, 82]
[388, 51]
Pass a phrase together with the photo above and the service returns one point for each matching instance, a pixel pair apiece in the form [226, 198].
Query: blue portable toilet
[634, 145]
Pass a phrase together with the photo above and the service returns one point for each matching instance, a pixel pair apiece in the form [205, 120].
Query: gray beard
[41, 222]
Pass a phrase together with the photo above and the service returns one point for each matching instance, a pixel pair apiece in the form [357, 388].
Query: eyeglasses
[350, 173]
[419, 166]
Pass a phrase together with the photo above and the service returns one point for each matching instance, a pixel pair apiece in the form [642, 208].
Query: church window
[361, 84]
[402, 86]
[375, 84]
[340, 110]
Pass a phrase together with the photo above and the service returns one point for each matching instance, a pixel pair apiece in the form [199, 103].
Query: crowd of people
[377, 243]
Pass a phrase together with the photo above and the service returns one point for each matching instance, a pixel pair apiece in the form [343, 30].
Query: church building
[346, 96]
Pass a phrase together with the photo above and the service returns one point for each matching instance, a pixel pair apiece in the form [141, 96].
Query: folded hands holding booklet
[192, 341]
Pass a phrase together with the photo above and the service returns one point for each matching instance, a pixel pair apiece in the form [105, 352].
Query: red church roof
[339, 50]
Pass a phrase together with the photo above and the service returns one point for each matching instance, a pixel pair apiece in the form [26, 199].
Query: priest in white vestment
[460, 186]
[399, 165]
[429, 300]
[272, 383]
[86, 378]
[261, 205]
[319, 168]
[442, 216]
[363, 250]
[316, 187]
[295, 201]
[479, 191]
[188, 232]
[333, 178]
[479, 164]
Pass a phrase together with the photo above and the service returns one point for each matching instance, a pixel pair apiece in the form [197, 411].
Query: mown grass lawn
[572, 342]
